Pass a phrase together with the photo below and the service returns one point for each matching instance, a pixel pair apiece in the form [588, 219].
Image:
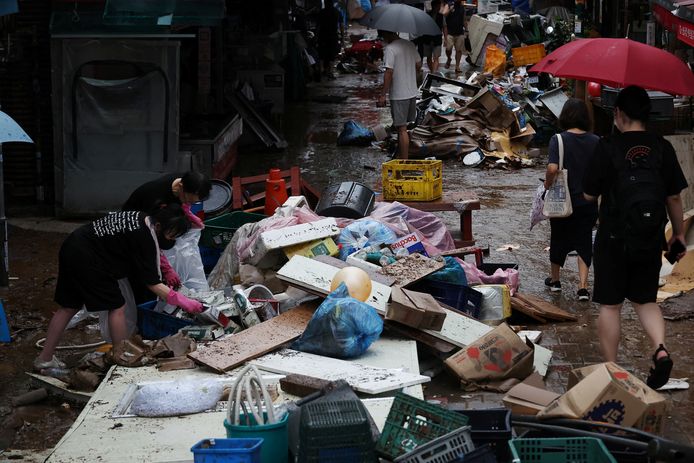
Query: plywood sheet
[545, 309]
[362, 378]
[227, 353]
[296, 234]
[374, 275]
[412, 268]
[315, 277]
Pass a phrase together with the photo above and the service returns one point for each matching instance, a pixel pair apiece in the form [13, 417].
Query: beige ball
[357, 281]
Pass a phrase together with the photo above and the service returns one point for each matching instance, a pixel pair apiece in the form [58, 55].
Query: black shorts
[619, 277]
[83, 280]
[573, 233]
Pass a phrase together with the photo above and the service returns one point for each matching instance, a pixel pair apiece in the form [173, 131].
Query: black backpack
[637, 201]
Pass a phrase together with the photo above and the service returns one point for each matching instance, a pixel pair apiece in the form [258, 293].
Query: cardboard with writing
[606, 392]
[529, 397]
[418, 310]
[493, 359]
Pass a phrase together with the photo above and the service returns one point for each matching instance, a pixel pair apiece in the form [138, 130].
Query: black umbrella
[400, 18]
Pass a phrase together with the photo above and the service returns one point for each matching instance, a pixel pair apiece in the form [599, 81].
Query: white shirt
[401, 56]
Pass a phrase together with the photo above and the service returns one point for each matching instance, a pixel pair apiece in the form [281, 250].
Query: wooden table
[463, 202]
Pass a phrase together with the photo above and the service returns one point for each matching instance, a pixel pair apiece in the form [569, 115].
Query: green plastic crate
[560, 450]
[412, 422]
[219, 231]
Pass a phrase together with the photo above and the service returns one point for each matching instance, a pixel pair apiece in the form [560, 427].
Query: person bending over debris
[639, 179]
[95, 256]
[400, 84]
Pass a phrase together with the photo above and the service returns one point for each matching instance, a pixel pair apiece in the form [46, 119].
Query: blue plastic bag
[341, 327]
[451, 273]
[354, 134]
[361, 234]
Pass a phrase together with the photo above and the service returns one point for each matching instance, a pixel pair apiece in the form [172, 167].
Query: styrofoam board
[362, 378]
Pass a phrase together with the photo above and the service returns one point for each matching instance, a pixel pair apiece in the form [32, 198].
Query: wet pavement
[311, 128]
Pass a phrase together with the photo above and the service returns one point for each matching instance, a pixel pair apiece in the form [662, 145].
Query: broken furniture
[462, 202]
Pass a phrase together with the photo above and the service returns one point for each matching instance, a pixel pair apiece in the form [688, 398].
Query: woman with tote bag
[571, 217]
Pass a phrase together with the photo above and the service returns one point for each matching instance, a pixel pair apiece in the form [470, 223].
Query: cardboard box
[529, 397]
[493, 358]
[418, 310]
[606, 392]
[324, 247]
[410, 242]
[493, 108]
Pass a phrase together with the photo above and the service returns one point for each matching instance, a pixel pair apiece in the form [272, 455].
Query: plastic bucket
[351, 200]
[275, 447]
[219, 200]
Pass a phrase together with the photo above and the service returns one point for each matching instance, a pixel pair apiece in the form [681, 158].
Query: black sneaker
[583, 294]
[554, 286]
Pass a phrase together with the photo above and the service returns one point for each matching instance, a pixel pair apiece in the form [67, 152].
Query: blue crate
[230, 450]
[460, 297]
[209, 257]
[156, 325]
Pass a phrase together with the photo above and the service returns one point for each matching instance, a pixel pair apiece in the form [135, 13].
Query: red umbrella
[619, 63]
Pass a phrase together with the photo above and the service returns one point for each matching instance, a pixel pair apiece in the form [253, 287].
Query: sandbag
[341, 327]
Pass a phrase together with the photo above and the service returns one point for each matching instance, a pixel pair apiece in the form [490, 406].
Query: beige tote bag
[558, 197]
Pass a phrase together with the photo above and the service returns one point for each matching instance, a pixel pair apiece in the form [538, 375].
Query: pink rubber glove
[168, 274]
[189, 305]
[194, 219]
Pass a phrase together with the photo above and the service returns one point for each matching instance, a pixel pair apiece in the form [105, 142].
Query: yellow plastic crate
[412, 180]
[528, 55]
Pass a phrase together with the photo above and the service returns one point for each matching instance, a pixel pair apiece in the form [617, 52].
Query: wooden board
[527, 309]
[412, 268]
[297, 234]
[546, 309]
[227, 353]
[362, 378]
[374, 275]
[315, 277]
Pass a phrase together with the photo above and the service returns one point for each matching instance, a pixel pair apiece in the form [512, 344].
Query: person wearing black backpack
[639, 179]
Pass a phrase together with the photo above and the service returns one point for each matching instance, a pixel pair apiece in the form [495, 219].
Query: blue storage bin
[460, 297]
[209, 256]
[227, 450]
[156, 325]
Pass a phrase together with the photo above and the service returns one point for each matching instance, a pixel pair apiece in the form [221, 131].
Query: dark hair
[574, 115]
[172, 219]
[196, 183]
[635, 103]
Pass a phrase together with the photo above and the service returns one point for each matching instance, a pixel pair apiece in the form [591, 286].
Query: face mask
[165, 243]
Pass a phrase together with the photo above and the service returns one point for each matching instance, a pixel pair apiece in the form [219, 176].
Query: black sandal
[659, 376]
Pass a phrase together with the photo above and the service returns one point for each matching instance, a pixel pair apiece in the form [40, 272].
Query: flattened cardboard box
[415, 309]
[608, 393]
[498, 355]
[529, 397]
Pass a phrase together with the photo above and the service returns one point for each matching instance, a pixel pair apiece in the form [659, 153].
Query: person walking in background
[328, 37]
[455, 33]
[429, 46]
[573, 233]
[402, 63]
[639, 180]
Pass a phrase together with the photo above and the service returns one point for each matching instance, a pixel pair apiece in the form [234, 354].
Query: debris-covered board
[315, 277]
[362, 378]
[224, 354]
[544, 309]
[412, 268]
[302, 233]
[374, 275]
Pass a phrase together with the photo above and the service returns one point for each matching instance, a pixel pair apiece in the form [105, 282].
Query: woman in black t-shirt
[95, 256]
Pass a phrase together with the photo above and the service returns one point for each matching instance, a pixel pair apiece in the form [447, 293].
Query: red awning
[684, 29]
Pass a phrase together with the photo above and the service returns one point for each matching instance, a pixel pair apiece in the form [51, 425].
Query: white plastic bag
[185, 259]
[181, 397]
[536, 215]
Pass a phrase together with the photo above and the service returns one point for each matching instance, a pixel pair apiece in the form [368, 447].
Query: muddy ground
[311, 129]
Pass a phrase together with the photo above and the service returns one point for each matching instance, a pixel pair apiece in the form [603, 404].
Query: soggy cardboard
[415, 309]
[529, 397]
[495, 357]
[606, 392]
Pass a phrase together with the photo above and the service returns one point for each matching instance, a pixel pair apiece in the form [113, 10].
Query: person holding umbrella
[402, 63]
[639, 179]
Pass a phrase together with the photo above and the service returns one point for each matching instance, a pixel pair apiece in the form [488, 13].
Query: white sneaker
[52, 363]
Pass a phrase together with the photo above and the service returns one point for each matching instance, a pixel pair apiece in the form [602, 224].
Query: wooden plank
[412, 268]
[54, 386]
[546, 309]
[297, 234]
[227, 353]
[315, 276]
[374, 275]
[525, 308]
[362, 378]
